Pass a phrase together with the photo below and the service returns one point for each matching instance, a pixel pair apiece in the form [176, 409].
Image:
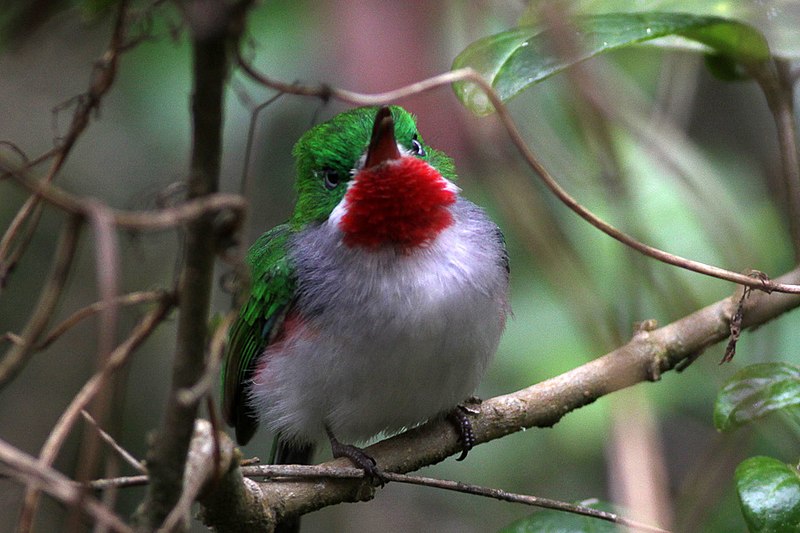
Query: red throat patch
[403, 202]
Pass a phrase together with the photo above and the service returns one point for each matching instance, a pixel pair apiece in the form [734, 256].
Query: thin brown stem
[21, 229]
[33, 473]
[113, 444]
[300, 472]
[133, 298]
[295, 472]
[69, 417]
[535, 501]
[216, 349]
[156, 220]
[18, 354]
[777, 85]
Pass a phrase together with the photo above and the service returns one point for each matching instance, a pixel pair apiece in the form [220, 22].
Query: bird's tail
[289, 453]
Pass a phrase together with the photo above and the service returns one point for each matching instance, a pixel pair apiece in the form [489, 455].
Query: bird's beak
[382, 145]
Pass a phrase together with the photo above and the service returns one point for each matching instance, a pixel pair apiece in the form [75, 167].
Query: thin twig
[290, 472]
[107, 275]
[468, 74]
[775, 81]
[118, 482]
[17, 355]
[37, 474]
[70, 415]
[29, 214]
[71, 321]
[535, 501]
[154, 220]
[244, 186]
[114, 445]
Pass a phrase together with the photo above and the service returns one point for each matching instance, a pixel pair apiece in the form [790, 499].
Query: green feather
[259, 320]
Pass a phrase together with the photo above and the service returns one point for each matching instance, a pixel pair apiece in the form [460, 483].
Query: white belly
[389, 340]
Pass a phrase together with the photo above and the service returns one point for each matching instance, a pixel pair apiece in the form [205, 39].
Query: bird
[377, 306]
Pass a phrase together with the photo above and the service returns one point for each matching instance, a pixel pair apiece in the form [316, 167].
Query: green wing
[260, 318]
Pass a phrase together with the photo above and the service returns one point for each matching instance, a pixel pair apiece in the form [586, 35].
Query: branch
[467, 74]
[28, 216]
[113, 444]
[216, 27]
[778, 88]
[525, 499]
[154, 220]
[69, 417]
[644, 358]
[23, 347]
[28, 470]
[71, 321]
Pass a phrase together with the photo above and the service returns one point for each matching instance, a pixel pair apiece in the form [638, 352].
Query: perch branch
[234, 501]
[644, 358]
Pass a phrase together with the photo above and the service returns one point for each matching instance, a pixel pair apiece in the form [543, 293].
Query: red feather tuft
[403, 202]
[293, 326]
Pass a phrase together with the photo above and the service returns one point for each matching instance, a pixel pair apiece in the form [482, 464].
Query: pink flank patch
[401, 202]
[293, 326]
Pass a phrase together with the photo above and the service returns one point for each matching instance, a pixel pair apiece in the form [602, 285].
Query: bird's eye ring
[416, 147]
[330, 178]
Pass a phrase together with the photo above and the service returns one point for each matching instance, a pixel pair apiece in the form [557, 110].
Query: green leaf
[769, 494]
[756, 391]
[778, 20]
[516, 59]
[552, 521]
[724, 68]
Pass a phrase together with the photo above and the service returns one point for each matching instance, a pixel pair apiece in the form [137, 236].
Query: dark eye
[416, 147]
[330, 178]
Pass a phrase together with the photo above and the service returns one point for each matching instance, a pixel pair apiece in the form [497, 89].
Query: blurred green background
[710, 190]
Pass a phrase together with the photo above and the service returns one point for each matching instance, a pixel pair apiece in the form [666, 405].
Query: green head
[328, 154]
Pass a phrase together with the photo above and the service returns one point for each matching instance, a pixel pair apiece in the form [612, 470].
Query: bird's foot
[359, 458]
[466, 435]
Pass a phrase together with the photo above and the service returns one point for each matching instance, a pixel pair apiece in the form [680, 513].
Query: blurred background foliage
[704, 183]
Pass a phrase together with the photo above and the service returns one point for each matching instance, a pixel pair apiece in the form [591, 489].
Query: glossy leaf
[778, 20]
[769, 494]
[756, 391]
[515, 59]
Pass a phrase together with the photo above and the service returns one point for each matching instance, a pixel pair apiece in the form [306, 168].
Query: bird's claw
[465, 433]
[360, 459]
